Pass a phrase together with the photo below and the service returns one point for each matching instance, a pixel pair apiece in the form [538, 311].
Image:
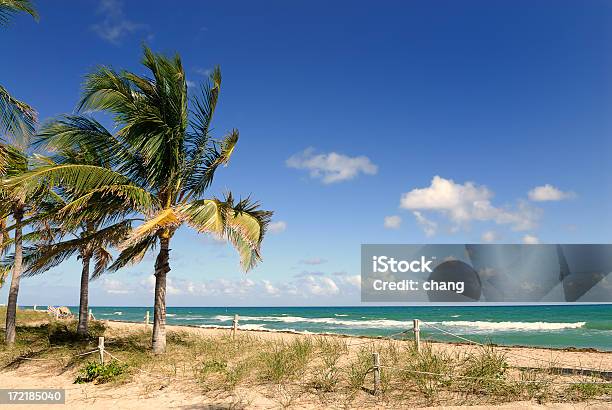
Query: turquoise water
[549, 326]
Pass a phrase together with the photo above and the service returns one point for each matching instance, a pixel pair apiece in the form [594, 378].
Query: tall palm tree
[163, 160]
[18, 204]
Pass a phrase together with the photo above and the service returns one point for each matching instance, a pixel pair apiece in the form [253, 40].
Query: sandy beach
[146, 390]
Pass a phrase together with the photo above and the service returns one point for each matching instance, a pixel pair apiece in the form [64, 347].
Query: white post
[234, 326]
[101, 348]
[376, 366]
[34, 307]
[417, 334]
[147, 318]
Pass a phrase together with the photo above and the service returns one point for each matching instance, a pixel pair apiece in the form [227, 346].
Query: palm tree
[17, 204]
[162, 160]
[92, 236]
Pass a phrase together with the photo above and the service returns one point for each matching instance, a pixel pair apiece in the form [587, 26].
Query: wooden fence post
[234, 326]
[147, 318]
[376, 367]
[101, 348]
[417, 334]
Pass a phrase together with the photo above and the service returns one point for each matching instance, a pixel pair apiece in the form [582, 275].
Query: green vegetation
[98, 373]
[302, 369]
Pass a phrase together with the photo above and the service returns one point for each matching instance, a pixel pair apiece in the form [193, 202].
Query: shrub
[100, 373]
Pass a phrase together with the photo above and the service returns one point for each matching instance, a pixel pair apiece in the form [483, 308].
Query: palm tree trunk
[162, 267]
[84, 298]
[11, 308]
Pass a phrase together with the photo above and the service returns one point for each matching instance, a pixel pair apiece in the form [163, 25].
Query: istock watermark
[505, 273]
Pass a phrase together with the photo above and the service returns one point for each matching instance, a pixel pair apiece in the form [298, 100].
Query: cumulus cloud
[464, 203]
[277, 227]
[115, 287]
[270, 288]
[331, 167]
[393, 222]
[489, 236]
[530, 239]
[115, 24]
[304, 286]
[548, 193]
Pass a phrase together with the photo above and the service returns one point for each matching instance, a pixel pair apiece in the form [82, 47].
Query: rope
[56, 358]
[572, 367]
[484, 378]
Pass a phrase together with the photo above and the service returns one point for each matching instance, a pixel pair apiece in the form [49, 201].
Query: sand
[146, 392]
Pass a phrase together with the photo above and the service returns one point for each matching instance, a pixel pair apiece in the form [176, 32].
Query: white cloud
[332, 167]
[277, 227]
[270, 288]
[115, 287]
[313, 261]
[530, 239]
[114, 25]
[191, 84]
[489, 236]
[463, 203]
[318, 286]
[549, 193]
[304, 287]
[429, 227]
[393, 222]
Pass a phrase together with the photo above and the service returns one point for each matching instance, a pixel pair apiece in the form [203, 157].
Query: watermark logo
[383, 264]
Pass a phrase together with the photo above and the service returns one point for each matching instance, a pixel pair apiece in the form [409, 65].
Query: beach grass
[320, 369]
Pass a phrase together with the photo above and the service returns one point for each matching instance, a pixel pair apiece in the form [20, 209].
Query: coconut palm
[18, 204]
[163, 160]
[91, 238]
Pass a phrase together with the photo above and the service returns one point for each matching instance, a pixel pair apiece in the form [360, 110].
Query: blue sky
[360, 122]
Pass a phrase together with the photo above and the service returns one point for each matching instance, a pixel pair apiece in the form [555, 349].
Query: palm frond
[133, 254]
[8, 8]
[76, 177]
[107, 201]
[199, 174]
[40, 259]
[165, 219]
[103, 258]
[4, 272]
[17, 119]
[243, 224]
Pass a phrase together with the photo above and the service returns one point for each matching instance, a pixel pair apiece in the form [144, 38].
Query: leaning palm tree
[162, 163]
[92, 237]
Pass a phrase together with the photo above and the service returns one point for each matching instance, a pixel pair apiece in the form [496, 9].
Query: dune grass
[319, 369]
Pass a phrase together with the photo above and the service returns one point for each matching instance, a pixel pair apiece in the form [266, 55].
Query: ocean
[583, 326]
